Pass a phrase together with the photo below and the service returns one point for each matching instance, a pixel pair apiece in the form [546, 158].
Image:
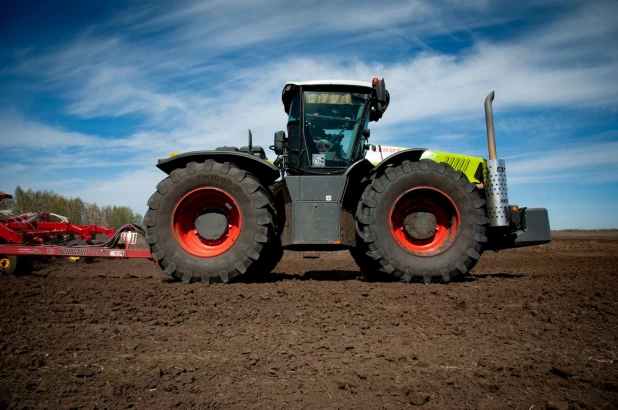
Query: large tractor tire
[209, 222]
[421, 221]
[272, 254]
[368, 266]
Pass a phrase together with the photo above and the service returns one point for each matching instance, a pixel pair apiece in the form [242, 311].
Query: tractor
[416, 214]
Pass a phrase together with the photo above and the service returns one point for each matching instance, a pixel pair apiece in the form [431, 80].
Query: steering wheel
[322, 146]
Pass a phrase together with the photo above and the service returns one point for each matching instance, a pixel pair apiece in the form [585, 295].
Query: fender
[354, 187]
[472, 167]
[411, 154]
[263, 170]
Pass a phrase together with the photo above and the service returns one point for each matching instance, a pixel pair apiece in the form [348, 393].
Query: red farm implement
[49, 234]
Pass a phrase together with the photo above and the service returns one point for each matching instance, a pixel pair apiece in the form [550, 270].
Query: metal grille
[496, 193]
[459, 164]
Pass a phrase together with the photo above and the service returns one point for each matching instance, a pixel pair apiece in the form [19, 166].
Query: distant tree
[75, 210]
[138, 219]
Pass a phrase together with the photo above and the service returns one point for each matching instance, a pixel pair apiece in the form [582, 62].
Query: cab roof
[353, 83]
[288, 93]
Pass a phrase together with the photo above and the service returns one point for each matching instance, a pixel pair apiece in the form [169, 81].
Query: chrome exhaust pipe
[489, 120]
[496, 192]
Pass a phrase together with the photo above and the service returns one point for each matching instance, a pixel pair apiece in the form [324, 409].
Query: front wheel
[422, 221]
[209, 222]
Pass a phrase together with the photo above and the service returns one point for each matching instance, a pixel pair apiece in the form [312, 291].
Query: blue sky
[93, 93]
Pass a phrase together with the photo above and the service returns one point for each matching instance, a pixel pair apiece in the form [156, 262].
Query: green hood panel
[472, 167]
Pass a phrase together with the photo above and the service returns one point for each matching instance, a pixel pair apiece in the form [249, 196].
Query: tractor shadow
[475, 277]
[349, 275]
[318, 275]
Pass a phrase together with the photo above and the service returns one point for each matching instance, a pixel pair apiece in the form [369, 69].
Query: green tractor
[416, 214]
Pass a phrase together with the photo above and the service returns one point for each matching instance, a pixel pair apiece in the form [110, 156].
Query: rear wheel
[209, 222]
[421, 221]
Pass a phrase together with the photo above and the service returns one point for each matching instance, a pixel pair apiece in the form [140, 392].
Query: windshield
[332, 122]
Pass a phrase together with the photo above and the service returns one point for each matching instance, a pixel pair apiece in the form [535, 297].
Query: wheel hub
[420, 225]
[424, 221]
[211, 225]
[207, 222]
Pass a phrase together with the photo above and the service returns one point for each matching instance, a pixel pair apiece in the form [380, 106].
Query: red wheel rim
[199, 202]
[426, 200]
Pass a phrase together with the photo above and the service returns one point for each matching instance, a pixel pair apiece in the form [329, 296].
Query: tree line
[77, 211]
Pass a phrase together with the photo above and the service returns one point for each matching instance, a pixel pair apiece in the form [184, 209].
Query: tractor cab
[328, 124]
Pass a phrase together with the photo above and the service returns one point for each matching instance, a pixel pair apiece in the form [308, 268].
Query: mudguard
[261, 169]
[411, 154]
[472, 167]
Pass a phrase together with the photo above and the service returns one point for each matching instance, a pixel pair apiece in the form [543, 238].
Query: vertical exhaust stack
[496, 192]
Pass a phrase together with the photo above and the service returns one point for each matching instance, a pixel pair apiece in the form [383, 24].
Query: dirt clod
[84, 372]
[418, 398]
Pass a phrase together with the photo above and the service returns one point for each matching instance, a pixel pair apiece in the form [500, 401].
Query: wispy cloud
[114, 92]
[582, 163]
[18, 132]
[115, 77]
[130, 188]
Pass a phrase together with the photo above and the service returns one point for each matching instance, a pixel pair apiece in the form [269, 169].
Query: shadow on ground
[321, 275]
[346, 275]
[476, 276]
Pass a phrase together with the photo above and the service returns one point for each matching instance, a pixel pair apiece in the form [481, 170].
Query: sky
[92, 93]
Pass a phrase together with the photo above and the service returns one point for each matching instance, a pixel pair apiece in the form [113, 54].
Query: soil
[531, 328]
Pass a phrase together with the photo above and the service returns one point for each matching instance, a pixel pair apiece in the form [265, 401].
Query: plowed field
[532, 328]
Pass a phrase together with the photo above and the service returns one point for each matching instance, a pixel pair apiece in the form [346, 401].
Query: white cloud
[114, 92]
[130, 188]
[18, 132]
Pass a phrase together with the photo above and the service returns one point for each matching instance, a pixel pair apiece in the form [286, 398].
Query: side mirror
[279, 141]
[380, 88]
[381, 99]
[366, 132]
